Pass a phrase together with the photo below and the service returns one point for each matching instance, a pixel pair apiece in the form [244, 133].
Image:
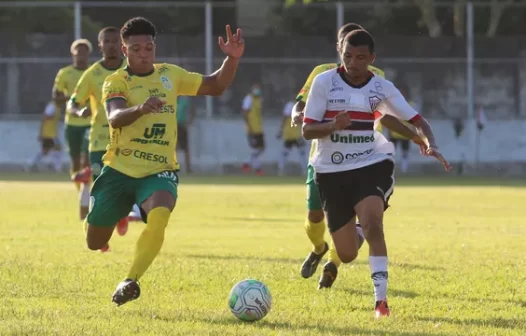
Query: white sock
[36, 159]
[84, 195]
[254, 159]
[57, 160]
[405, 165]
[379, 276]
[283, 159]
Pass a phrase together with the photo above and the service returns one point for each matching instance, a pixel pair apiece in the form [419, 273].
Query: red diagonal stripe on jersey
[352, 114]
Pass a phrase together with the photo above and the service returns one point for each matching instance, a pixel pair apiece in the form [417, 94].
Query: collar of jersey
[101, 62]
[127, 68]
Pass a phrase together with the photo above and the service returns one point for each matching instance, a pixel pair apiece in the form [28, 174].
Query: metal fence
[446, 75]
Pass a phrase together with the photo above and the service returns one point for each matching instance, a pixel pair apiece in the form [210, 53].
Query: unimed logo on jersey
[153, 135]
[352, 139]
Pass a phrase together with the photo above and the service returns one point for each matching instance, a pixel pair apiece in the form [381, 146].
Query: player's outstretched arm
[216, 83]
[397, 126]
[120, 115]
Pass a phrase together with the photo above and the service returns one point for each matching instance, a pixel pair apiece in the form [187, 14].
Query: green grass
[457, 263]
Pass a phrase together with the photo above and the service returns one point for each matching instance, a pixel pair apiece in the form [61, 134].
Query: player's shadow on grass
[495, 322]
[482, 301]
[392, 292]
[299, 261]
[289, 327]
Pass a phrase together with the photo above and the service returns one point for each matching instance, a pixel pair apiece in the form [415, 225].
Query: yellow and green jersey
[89, 87]
[395, 135]
[65, 82]
[252, 103]
[49, 126]
[290, 133]
[147, 146]
[304, 92]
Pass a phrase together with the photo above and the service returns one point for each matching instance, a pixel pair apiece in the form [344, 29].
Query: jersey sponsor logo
[162, 69]
[374, 101]
[166, 83]
[337, 101]
[156, 93]
[339, 157]
[125, 152]
[150, 156]
[136, 87]
[352, 139]
[153, 135]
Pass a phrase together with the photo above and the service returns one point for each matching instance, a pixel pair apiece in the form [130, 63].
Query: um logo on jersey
[156, 131]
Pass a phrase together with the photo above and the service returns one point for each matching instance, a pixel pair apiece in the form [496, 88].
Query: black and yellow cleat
[127, 290]
[330, 272]
[310, 265]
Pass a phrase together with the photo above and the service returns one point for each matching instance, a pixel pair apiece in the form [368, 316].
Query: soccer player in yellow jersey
[48, 137]
[399, 140]
[88, 93]
[251, 109]
[76, 127]
[291, 138]
[140, 164]
[315, 222]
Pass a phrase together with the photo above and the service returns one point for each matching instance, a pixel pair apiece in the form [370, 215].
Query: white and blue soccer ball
[250, 300]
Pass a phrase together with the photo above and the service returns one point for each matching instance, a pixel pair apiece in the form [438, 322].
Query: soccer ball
[250, 300]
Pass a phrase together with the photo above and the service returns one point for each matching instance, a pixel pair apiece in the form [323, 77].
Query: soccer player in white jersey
[354, 165]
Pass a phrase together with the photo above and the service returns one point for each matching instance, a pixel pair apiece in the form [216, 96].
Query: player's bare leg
[370, 210]
[330, 269]
[98, 237]
[158, 208]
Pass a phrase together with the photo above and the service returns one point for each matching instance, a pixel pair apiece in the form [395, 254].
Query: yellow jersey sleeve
[187, 83]
[114, 87]
[83, 89]
[304, 92]
[377, 71]
[61, 83]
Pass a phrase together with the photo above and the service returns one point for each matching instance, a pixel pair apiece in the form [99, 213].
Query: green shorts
[313, 196]
[95, 161]
[77, 139]
[113, 194]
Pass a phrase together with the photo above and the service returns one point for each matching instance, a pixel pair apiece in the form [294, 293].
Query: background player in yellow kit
[251, 109]
[48, 138]
[76, 127]
[291, 138]
[89, 90]
[315, 222]
[140, 165]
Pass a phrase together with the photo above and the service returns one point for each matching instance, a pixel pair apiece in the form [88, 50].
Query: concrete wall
[221, 146]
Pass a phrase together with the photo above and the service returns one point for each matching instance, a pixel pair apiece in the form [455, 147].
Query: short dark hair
[138, 26]
[360, 37]
[107, 30]
[346, 29]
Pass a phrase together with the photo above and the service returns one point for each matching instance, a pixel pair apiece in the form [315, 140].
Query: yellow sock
[77, 184]
[316, 233]
[85, 226]
[333, 255]
[150, 242]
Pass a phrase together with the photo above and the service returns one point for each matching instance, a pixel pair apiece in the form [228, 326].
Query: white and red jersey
[359, 145]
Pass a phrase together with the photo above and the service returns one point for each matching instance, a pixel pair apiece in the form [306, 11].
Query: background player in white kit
[354, 164]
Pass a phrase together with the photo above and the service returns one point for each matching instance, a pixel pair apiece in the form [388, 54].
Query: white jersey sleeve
[317, 101]
[247, 103]
[396, 105]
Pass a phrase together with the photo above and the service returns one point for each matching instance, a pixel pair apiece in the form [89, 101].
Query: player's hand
[84, 113]
[421, 144]
[341, 121]
[234, 45]
[297, 119]
[433, 151]
[151, 105]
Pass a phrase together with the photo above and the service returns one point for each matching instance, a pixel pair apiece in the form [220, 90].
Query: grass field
[457, 263]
